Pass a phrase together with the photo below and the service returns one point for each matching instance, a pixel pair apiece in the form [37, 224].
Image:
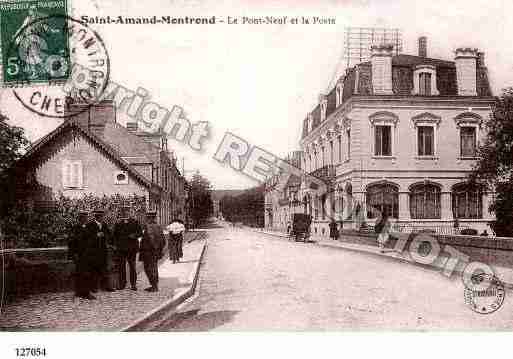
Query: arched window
[382, 198]
[425, 201]
[467, 201]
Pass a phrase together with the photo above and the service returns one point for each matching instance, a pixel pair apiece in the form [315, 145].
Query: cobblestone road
[112, 311]
[253, 281]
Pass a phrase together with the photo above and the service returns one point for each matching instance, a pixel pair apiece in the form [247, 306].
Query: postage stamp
[34, 42]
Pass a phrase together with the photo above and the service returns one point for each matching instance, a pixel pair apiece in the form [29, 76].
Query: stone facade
[282, 200]
[407, 155]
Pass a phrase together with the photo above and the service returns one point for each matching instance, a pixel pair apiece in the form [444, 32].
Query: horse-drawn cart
[300, 227]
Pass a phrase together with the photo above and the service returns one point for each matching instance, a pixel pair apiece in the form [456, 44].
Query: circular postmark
[488, 294]
[58, 67]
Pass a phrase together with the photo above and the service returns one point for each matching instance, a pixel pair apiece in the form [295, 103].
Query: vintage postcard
[254, 166]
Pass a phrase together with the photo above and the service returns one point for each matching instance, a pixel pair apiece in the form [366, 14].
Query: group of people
[96, 251]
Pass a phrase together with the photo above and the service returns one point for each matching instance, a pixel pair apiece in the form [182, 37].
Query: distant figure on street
[99, 237]
[382, 228]
[333, 230]
[152, 246]
[79, 252]
[175, 230]
[126, 240]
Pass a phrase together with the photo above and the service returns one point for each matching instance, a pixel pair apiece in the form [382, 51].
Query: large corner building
[399, 134]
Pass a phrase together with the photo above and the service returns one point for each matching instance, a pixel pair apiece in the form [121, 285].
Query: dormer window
[425, 84]
[310, 123]
[323, 102]
[339, 92]
[424, 81]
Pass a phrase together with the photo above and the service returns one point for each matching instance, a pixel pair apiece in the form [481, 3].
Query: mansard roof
[403, 67]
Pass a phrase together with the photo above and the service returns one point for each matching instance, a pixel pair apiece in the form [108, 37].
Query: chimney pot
[423, 46]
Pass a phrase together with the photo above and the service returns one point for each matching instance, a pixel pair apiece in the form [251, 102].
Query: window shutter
[77, 174]
[66, 174]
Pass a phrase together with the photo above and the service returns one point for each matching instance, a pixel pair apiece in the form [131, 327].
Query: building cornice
[462, 103]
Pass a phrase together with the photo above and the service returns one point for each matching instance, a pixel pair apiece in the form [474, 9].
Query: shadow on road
[192, 321]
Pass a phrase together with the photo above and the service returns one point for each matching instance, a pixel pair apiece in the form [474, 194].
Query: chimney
[99, 115]
[481, 59]
[466, 61]
[381, 59]
[423, 46]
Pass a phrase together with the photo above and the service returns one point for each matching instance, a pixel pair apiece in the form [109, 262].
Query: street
[253, 281]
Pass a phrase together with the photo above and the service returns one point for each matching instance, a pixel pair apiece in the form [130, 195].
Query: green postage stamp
[34, 42]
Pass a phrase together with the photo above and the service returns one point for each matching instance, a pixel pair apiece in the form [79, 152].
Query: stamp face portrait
[487, 300]
[35, 42]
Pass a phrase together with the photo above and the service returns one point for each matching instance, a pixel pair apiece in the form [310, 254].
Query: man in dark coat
[152, 249]
[99, 237]
[126, 240]
[333, 230]
[78, 249]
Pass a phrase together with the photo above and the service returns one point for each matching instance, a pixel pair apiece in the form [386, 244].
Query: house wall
[98, 170]
[404, 168]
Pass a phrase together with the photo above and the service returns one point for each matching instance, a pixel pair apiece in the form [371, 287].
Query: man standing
[333, 230]
[99, 236]
[126, 240]
[78, 251]
[152, 247]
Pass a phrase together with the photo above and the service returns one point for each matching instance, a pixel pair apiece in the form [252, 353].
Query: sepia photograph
[259, 170]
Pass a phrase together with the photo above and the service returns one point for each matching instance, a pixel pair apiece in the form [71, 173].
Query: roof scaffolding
[358, 41]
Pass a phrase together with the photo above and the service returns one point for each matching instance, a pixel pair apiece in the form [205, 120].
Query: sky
[260, 81]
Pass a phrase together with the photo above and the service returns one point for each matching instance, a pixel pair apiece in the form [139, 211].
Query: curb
[176, 300]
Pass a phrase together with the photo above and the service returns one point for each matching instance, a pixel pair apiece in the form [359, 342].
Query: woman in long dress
[175, 230]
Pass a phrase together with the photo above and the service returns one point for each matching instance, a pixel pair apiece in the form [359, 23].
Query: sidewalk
[112, 311]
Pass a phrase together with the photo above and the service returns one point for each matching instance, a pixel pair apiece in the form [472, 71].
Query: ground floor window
[384, 199]
[467, 201]
[425, 201]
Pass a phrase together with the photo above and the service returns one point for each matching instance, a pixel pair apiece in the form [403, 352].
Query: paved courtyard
[253, 281]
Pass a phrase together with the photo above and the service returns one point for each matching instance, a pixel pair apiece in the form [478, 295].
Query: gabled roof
[106, 147]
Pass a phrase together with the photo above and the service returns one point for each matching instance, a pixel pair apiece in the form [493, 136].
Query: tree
[12, 146]
[200, 199]
[247, 207]
[495, 166]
